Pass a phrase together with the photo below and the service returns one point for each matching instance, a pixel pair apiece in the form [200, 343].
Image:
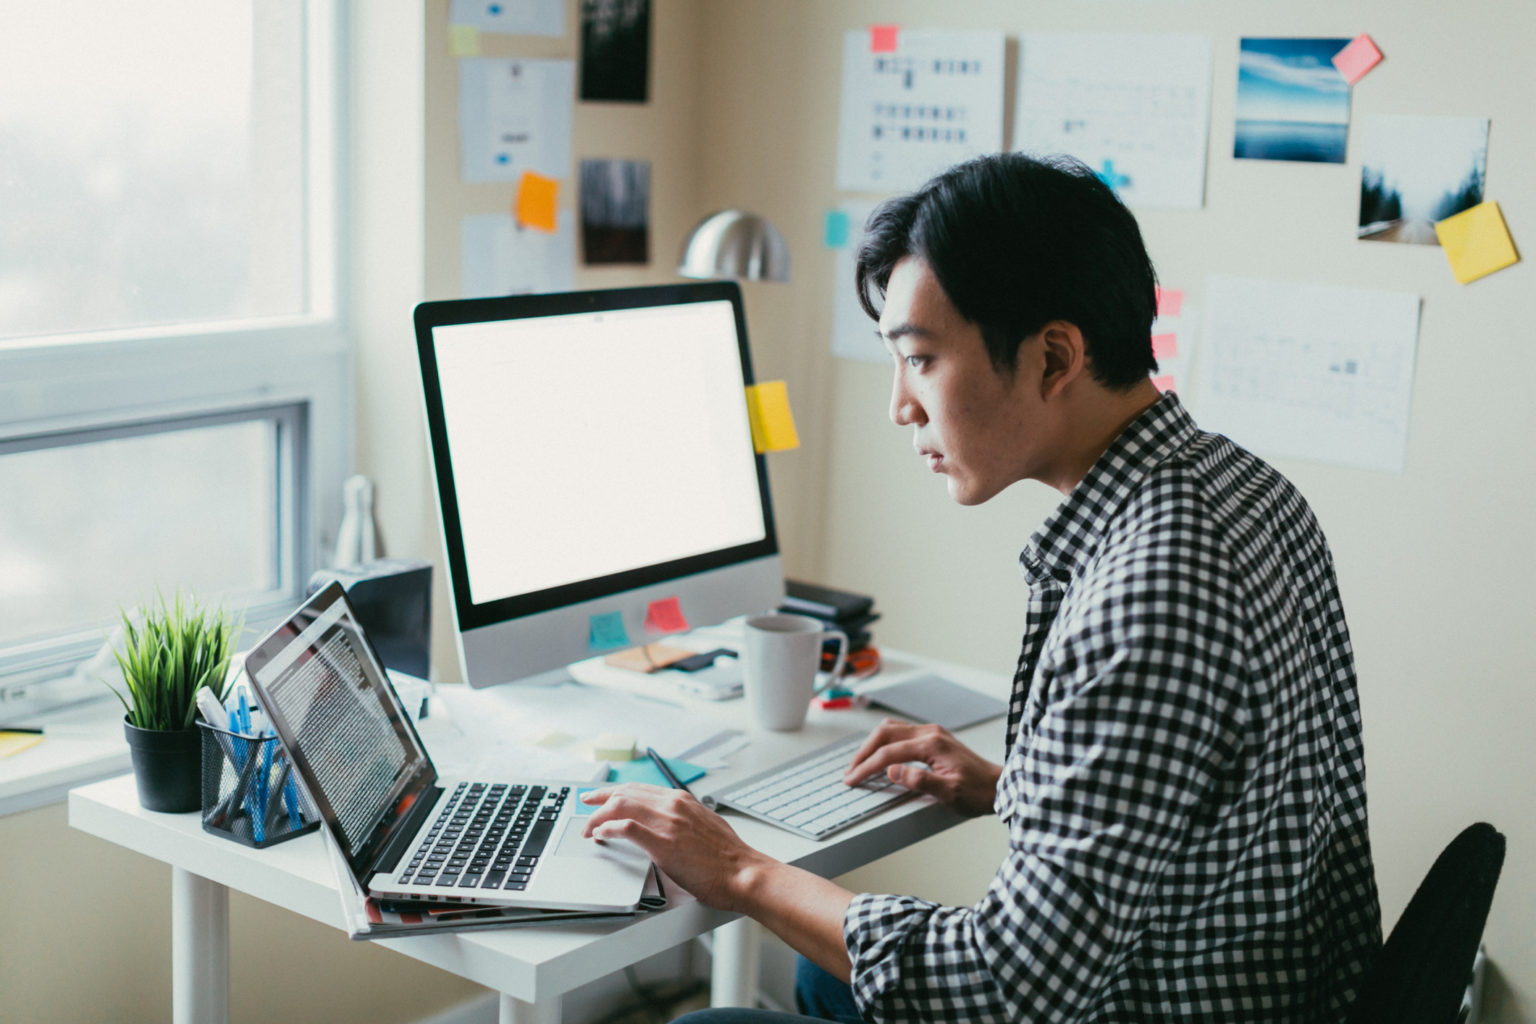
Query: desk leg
[515, 1011]
[199, 949]
[733, 977]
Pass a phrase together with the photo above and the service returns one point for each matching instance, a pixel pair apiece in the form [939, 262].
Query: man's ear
[1065, 356]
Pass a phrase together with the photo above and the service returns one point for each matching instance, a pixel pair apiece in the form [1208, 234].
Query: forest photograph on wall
[1292, 103]
[615, 211]
[1415, 171]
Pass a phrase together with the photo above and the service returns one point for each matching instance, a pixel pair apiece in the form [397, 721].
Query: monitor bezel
[445, 313]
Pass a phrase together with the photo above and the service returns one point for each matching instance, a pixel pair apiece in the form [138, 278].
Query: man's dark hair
[1016, 242]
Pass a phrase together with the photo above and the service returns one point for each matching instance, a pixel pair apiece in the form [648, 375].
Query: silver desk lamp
[735, 244]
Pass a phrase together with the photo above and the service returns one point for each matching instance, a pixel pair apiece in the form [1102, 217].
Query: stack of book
[852, 613]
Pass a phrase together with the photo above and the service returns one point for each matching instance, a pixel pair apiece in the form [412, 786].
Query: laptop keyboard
[488, 836]
[807, 795]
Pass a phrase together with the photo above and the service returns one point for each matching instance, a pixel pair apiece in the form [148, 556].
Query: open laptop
[405, 833]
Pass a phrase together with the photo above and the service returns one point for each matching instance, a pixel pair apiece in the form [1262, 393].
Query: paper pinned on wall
[1134, 107]
[1357, 58]
[854, 334]
[773, 425]
[534, 206]
[515, 116]
[933, 100]
[499, 258]
[1309, 371]
[1476, 242]
[514, 17]
[1169, 301]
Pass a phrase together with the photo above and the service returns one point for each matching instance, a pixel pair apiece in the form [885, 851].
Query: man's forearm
[803, 909]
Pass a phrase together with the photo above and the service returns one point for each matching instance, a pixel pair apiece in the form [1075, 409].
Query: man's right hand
[955, 775]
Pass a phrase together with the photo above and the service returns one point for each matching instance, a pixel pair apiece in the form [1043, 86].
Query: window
[174, 382]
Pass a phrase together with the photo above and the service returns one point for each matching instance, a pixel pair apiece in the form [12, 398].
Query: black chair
[1422, 972]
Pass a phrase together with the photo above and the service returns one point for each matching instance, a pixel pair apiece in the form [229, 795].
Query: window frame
[103, 384]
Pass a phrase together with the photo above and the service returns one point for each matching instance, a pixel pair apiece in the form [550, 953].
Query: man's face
[970, 422]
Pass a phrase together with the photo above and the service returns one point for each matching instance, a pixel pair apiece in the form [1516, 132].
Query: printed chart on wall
[1309, 371]
[1133, 107]
[515, 116]
[915, 102]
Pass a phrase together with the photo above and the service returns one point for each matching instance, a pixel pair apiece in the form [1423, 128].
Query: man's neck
[1098, 415]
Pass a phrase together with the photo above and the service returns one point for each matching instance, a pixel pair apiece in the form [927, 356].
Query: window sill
[80, 745]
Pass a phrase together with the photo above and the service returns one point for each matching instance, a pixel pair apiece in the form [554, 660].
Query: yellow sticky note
[535, 204]
[16, 742]
[1476, 242]
[463, 41]
[773, 425]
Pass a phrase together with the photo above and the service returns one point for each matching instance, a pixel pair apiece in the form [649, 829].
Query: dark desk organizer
[250, 794]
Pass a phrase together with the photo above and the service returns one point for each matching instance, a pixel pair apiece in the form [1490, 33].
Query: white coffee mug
[780, 656]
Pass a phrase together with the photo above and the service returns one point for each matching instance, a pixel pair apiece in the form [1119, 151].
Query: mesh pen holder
[250, 794]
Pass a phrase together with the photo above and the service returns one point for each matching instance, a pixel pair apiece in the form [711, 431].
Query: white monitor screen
[584, 445]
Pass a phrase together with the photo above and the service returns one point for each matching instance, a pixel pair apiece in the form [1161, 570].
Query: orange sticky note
[1164, 383]
[1476, 242]
[1357, 58]
[1169, 302]
[1165, 346]
[773, 425]
[882, 38]
[463, 41]
[535, 204]
[665, 616]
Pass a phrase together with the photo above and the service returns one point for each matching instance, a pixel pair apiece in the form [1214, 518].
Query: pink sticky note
[1169, 302]
[882, 38]
[1357, 58]
[665, 616]
[1165, 346]
[1164, 383]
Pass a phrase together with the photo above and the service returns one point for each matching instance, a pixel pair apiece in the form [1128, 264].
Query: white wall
[1434, 564]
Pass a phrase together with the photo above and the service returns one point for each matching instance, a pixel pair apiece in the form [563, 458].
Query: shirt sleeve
[1142, 714]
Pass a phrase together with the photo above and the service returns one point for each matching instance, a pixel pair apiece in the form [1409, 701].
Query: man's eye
[917, 362]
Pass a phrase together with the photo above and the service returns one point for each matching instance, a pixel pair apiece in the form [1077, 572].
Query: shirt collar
[1068, 539]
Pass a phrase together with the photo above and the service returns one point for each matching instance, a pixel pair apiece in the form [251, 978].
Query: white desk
[532, 968]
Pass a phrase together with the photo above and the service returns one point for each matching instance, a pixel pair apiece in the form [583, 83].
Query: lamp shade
[735, 244]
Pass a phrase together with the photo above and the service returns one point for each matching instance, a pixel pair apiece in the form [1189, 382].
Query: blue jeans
[817, 994]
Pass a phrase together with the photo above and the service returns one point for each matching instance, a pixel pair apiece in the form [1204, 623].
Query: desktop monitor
[593, 455]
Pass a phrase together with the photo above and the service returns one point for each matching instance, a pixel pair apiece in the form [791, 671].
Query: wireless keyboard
[807, 795]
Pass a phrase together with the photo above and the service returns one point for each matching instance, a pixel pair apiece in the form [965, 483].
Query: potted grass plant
[168, 653]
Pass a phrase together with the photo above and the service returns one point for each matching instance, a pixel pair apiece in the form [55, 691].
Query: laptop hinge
[389, 856]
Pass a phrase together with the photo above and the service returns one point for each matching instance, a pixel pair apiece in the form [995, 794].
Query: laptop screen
[328, 699]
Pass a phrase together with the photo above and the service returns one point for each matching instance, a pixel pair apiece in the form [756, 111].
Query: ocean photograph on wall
[1292, 103]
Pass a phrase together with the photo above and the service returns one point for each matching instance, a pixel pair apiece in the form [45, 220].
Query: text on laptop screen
[346, 728]
[595, 443]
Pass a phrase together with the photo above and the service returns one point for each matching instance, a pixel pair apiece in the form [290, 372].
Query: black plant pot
[167, 765]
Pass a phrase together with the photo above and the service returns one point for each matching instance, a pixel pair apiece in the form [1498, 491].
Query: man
[1184, 785]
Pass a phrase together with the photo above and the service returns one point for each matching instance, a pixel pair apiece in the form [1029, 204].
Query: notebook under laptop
[405, 833]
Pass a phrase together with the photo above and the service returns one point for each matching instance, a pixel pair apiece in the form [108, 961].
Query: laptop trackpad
[574, 844]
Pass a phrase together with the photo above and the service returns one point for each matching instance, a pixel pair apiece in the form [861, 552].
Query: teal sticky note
[577, 807]
[607, 630]
[835, 229]
[644, 770]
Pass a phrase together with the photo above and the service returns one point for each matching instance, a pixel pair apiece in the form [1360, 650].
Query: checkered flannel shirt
[1184, 791]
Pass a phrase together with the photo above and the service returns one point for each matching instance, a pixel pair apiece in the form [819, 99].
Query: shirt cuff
[875, 931]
